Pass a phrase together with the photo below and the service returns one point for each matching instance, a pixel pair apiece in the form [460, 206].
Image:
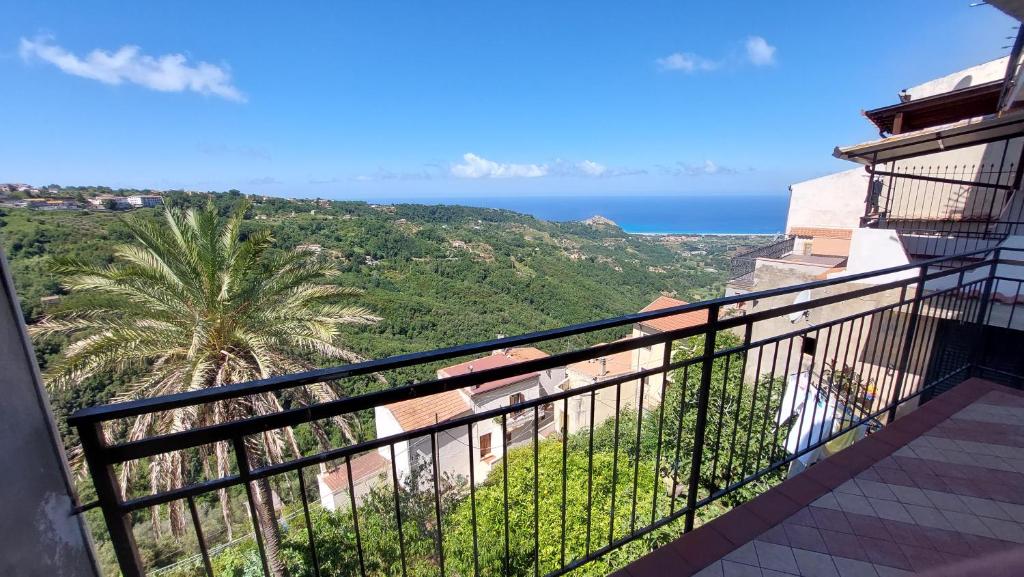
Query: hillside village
[492, 439]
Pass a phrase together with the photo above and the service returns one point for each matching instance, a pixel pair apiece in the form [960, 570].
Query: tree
[593, 481]
[741, 437]
[195, 306]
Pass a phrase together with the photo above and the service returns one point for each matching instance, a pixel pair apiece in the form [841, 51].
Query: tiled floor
[939, 486]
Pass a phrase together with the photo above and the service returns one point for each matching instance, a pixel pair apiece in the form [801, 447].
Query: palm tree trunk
[221, 454]
[269, 527]
[225, 511]
[177, 514]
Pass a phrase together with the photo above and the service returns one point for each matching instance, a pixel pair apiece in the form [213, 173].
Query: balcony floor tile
[936, 490]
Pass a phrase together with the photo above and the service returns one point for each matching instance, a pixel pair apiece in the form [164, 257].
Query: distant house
[368, 470]
[604, 402]
[50, 301]
[654, 355]
[145, 200]
[101, 201]
[314, 248]
[51, 203]
[483, 441]
[607, 401]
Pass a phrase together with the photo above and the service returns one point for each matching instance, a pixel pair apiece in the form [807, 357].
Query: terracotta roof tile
[497, 359]
[616, 364]
[425, 411]
[841, 233]
[364, 466]
[673, 322]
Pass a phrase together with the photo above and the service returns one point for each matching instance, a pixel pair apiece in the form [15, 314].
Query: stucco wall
[335, 500]
[387, 425]
[39, 534]
[831, 201]
[979, 74]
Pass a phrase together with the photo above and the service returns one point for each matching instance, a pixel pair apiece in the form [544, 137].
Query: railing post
[108, 493]
[984, 303]
[703, 395]
[908, 342]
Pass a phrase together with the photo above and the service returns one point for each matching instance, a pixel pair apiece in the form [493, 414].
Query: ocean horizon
[664, 214]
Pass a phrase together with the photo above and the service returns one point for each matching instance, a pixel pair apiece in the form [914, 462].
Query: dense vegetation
[438, 276]
[622, 478]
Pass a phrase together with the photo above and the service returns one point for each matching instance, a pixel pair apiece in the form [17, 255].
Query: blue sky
[446, 99]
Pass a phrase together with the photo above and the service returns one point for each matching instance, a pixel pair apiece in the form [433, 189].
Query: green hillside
[438, 275]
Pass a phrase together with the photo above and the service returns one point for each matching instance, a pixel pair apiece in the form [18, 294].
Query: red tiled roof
[497, 359]
[363, 467]
[840, 233]
[425, 411]
[673, 322]
[615, 364]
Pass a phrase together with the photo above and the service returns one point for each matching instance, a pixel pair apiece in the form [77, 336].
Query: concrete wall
[604, 401]
[39, 533]
[831, 201]
[649, 358]
[335, 500]
[521, 427]
[973, 76]
[386, 424]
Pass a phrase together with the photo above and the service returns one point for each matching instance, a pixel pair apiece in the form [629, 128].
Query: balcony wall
[41, 535]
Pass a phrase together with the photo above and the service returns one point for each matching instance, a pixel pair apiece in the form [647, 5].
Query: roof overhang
[1013, 8]
[938, 109]
[969, 132]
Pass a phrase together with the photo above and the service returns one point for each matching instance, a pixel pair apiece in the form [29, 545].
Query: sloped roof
[364, 466]
[967, 132]
[673, 322]
[615, 364]
[497, 359]
[839, 233]
[425, 411]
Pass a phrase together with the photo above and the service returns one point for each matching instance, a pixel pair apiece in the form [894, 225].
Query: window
[485, 445]
[515, 399]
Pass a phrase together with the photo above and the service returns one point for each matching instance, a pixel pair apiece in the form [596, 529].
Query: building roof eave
[968, 132]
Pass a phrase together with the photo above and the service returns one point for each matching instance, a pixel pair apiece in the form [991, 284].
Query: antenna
[802, 297]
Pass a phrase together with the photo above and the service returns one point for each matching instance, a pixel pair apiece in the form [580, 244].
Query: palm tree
[194, 305]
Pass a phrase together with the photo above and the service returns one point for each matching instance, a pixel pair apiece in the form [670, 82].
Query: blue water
[709, 214]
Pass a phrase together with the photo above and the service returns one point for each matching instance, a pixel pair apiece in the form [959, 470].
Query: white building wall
[495, 399]
[387, 425]
[339, 500]
[831, 201]
[973, 76]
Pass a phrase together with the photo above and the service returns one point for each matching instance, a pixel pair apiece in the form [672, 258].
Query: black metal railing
[743, 263]
[722, 413]
[946, 209]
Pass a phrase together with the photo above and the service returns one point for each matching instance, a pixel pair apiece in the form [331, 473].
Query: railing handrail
[104, 413]
[760, 250]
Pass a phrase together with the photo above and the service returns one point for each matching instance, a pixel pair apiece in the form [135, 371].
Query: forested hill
[438, 275]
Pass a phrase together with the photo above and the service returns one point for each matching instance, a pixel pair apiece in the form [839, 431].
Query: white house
[611, 399]
[145, 200]
[483, 441]
[368, 471]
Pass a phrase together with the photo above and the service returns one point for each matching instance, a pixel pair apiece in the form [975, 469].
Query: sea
[664, 214]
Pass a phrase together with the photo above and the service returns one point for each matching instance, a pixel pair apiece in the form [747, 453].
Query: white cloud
[591, 168]
[473, 166]
[166, 73]
[686, 62]
[759, 52]
[708, 167]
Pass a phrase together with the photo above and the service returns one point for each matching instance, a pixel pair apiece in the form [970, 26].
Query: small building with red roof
[487, 444]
